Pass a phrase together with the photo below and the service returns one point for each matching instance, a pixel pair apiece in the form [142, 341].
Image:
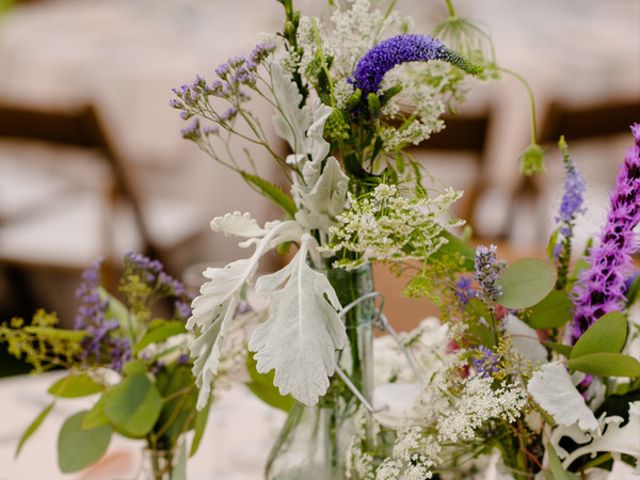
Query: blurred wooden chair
[602, 120]
[463, 135]
[69, 227]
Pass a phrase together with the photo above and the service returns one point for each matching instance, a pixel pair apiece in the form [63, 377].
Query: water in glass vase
[314, 440]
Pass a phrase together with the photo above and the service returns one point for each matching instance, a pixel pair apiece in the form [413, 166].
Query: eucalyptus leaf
[552, 312]
[606, 365]
[560, 348]
[132, 367]
[95, 417]
[134, 405]
[79, 448]
[33, 426]
[262, 386]
[526, 282]
[159, 334]
[607, 334]
[74, 386]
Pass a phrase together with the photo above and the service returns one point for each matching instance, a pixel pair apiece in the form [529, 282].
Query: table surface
[240, 432]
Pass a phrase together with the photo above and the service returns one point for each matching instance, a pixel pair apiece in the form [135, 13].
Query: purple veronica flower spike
[602, 286]
[394, 51]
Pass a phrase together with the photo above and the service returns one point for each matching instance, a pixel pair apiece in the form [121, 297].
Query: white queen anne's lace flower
[386, 225]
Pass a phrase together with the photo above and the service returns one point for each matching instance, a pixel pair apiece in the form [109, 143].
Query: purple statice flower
[261, 52]
[183, 359]
[484, 361]
[464, 290]
[192, 130]
[119, 353]
[91, 310]
[487, 271]
[182, 309]
[372, 67]
[229, 114]
[601, 287]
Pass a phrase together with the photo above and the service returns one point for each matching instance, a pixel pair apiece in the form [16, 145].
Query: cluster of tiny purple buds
[383, 57]
[487, 271]
[91, 318]
[601, 288]
[573, 195]
[152, 272]
[91, 310]
[484, 361]
[232, 75]
[464, 289]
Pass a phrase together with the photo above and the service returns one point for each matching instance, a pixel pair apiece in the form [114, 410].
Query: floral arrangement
[133, 354]
[531, 372]
[532, 375]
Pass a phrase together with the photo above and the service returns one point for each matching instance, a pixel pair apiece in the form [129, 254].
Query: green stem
[452, 11]
[523, 81]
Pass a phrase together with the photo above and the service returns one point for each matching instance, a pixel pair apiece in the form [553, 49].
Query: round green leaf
[608, 334]
[526, 282]
[79, 448]
[133, 405]
[606, 365]
[159, 334]
[73, 386]
[552, 312]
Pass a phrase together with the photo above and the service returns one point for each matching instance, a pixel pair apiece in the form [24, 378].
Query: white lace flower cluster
[387, 226]
[448, 419]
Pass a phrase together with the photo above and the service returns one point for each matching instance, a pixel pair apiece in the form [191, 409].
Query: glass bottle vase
[159, 464]
[314, 441]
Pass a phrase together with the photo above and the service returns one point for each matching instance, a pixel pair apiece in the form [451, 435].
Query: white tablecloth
[240, 432]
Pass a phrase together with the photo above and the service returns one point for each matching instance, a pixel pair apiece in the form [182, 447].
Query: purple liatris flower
[487, 271]
[372, 67]
[601, 288]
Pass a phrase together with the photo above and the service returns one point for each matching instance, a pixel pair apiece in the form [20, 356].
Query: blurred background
[92, 162]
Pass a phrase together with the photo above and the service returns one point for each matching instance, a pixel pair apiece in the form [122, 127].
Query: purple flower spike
[394, 51]
[602, 286]
[487, 271]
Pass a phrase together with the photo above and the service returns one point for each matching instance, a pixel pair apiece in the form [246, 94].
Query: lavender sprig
[487, 271]
[372, 67]
[571, 206]
[601, 288]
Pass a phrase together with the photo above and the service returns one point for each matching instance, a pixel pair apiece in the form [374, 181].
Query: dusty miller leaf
[552, 388]
[303, 330]
[214, 308]
[321, 202]
[291, 123]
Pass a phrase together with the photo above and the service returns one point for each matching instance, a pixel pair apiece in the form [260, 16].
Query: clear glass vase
[314, 441]
[159, 464]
